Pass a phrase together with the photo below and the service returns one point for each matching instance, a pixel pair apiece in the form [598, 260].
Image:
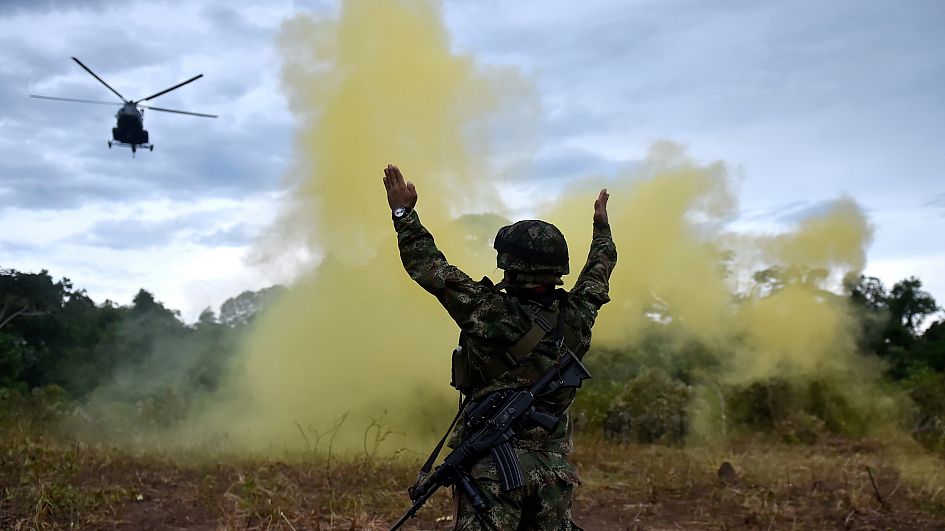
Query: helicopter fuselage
[130, 127]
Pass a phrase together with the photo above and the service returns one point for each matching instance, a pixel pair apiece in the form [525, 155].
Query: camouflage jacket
[491, 321]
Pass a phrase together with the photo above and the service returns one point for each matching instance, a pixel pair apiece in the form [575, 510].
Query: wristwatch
[400, 212]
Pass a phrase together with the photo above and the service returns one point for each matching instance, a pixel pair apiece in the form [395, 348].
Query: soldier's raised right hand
[399, 193]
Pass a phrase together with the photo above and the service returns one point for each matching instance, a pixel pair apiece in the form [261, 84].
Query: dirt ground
[832, 485]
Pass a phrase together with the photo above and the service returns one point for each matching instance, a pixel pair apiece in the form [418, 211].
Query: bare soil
[52, 484]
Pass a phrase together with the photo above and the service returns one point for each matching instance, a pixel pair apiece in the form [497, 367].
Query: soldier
[495, 354]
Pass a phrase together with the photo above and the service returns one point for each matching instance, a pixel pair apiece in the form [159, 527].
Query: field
[50, 483]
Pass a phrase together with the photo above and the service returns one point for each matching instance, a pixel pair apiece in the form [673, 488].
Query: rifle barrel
[413, 509]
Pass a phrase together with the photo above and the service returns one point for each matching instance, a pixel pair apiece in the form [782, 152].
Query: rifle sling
[428, 466]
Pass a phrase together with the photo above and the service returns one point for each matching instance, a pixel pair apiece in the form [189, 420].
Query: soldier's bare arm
[593, 284]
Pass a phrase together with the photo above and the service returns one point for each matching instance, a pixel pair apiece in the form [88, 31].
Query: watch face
[399, 212]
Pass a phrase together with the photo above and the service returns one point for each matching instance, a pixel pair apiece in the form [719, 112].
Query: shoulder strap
[545, 321]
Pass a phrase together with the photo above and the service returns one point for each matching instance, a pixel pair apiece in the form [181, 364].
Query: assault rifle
[494, 422]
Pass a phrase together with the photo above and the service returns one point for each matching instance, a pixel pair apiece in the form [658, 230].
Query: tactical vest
[468, 377]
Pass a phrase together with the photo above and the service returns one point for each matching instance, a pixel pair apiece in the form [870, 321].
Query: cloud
[936, 203]
[240, 235]
[565, 164]
[26, 6]
[53, 154]
[216, 224]
[810, 100]
[132, 234]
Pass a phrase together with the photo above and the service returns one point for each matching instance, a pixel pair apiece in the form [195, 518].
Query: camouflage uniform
[491, 321]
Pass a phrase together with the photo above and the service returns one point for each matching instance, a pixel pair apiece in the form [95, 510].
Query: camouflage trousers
[544, 504]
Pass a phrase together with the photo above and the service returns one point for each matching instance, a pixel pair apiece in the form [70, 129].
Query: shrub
[651, 408]
[927, 391]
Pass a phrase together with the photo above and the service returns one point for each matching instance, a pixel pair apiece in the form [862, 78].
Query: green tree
[910, 304]
[29, 295]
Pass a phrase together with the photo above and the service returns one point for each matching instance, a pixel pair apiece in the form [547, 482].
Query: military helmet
[532, 246]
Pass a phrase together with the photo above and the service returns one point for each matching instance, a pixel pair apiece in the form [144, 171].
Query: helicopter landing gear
[109, 144]
[152, 147]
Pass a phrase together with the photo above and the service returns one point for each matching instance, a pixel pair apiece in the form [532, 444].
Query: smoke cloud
[354, 340]
[355, 343]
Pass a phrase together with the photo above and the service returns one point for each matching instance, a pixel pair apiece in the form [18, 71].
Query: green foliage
[241, 310]
[141, 367]
[890, 324]
[910, 304]
[929, 351]
[138, 362]
[927, 391]
[13, 360]
[651, 408]
[593, 402]
[799, 410]
[40, 409]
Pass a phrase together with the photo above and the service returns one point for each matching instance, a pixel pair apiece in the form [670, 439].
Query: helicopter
[129, 130]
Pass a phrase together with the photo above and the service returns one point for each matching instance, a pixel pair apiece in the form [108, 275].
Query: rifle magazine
[506, 462]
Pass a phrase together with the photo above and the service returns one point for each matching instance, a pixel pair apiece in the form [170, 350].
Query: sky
[806, 101]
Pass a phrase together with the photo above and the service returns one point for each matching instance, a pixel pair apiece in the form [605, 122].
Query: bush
[760, 406]
[48, 404]
[651, 408]
[593, 403]
[927, 391]
[798, 410]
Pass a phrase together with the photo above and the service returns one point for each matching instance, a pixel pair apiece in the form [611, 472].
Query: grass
[52, 483]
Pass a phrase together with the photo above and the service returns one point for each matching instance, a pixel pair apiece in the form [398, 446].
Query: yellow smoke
[679, 266]
[356, 340]
[665, 259]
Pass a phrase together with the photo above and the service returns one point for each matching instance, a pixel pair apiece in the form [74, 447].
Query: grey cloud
[235, 236]
[571, 163]
[192, 156]
[228, 20]
[936, 203]
[221, 165]
[792, 212]
[577, 119]
[131, 234]
[27, 182]
[777, 212]
[8, 248]
[20, 6]
[710, 63]
[199, 227]
[804, 210]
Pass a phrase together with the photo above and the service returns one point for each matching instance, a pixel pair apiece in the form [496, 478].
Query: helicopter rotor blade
[102, 81]
[178, 112]
[177, 86]
[75, 100]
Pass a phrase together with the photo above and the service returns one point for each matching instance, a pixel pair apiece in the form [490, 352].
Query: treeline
[59, 347]
[658, 389]
[52, 334]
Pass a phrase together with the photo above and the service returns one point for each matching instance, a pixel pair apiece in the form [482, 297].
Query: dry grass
[54, 484]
